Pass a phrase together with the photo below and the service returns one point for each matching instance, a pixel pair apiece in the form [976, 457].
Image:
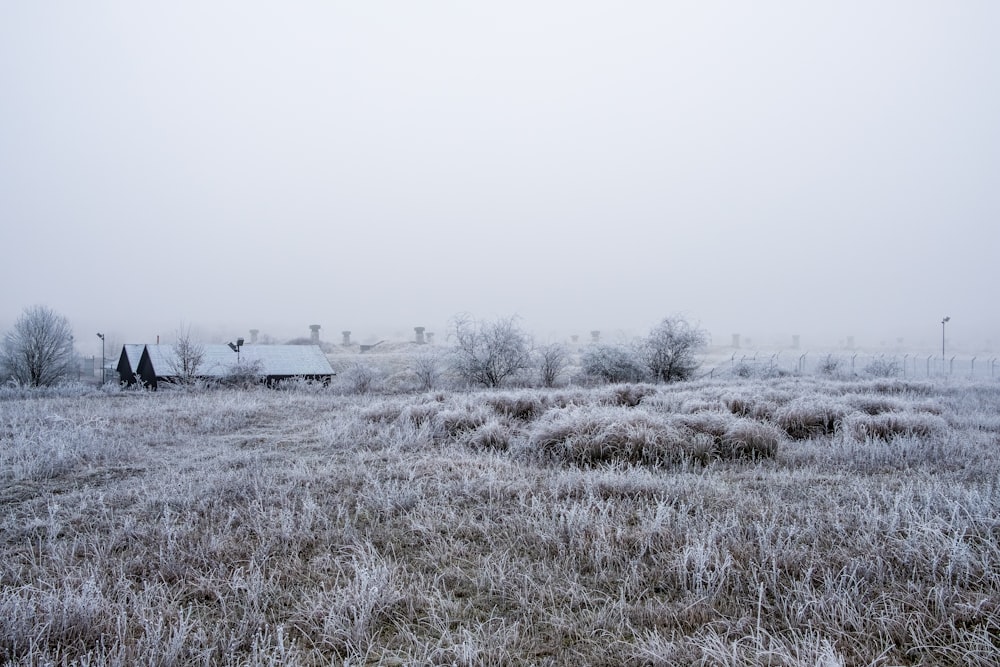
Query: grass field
[784, 521]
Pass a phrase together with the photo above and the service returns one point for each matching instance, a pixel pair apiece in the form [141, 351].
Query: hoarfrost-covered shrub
[244, 375]
[810, 416]
[552, 360]
[883, 368]
[669, 350]
[427, 369]
[830, 365]
[614, 363]
[359, 378]
[489, 354]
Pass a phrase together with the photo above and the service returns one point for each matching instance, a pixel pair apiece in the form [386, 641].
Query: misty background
[767, 168]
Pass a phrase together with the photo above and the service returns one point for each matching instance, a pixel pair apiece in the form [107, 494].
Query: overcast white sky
[767, 168]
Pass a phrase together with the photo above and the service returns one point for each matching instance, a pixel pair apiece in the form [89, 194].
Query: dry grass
[770, 522]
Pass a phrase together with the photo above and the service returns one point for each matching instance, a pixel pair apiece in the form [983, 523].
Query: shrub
[830, 365]
[244, 374]
[883, 368]
[552, 359]
[359, 378]
[489, 353]
[613, 363]
[669, 350]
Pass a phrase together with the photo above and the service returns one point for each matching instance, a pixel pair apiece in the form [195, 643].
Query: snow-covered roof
[220, 360]
[133, 352]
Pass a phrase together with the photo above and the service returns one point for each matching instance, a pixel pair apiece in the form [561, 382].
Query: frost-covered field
[789, 521]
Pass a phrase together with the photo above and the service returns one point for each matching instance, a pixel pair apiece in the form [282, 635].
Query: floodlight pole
[101, 336]
[943, 322]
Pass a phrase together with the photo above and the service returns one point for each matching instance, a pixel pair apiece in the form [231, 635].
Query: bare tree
[489, 353]
[188, 356]
[669, 350]
[38, 351]
[552, 359]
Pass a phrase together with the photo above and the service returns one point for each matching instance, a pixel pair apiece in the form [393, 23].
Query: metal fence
[908, 365]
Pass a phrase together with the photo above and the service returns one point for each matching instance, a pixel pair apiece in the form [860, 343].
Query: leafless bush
[829, 365]
[883, 368]
[670, 348]
[244, 374]
[552, 361]
[489, 354]
[613, 363]
[427, 369]
[359, 378]
[187, 357]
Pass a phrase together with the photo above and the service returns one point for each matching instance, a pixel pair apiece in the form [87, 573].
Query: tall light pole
[235, 347]
[101, 336]
[943, 322]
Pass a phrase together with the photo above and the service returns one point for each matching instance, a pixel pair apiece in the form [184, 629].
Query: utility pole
[101, 336]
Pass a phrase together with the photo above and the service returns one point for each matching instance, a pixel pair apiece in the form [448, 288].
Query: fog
[767, 168]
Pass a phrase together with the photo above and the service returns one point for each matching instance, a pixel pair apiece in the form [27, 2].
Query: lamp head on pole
[946, 319]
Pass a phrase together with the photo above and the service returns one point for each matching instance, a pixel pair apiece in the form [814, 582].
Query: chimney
[420, 335]
[430, 337]
[347, 338]
[314, 336]
[253, 335]
[595, 336]
[736, 341]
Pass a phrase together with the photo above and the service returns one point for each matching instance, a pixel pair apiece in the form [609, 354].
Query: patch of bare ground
[772, 522]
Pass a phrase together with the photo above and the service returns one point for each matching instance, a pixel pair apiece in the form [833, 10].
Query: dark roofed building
[128, 363]
[274, 363]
